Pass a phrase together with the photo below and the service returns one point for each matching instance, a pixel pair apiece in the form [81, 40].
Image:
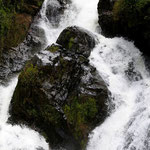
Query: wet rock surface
[76, 41]
[55, 10]
[17, 41]
[60, 94]
[13, 59]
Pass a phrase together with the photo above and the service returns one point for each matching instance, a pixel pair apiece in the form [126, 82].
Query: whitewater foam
[120, 65]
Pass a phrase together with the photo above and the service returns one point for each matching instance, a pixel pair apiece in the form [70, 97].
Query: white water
[20, 137]
[82, 13]
[127, 127]
[16, 137]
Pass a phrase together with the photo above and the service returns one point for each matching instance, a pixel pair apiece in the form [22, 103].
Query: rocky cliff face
[105, 11]
[128, 18]
[13, 59]
[16, 18]
[24, 39]
[60, 93]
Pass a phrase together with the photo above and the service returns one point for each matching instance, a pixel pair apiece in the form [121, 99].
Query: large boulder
[60, 94]
[55, 10]
[76, 41]
[128, 18]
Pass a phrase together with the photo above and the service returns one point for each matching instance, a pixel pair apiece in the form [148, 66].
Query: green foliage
[32, 113]
[132, 12]
[10, 25]
[53, 48]
[7, 15]
[5, 22]
[29, 75]
[71, 41]
[50, 114]
[79, 114]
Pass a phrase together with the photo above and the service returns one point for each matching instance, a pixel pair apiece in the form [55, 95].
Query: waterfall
[79, 13]
[121, 66]
[16, 137]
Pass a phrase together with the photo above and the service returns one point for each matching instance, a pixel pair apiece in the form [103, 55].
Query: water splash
[16, 137]
[20, 138]
[122, 67]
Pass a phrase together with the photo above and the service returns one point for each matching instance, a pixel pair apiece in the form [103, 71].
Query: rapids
[121, 66]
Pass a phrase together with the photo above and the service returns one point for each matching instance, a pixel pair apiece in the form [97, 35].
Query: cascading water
[16, 137]
[80, 13]
[121, 66]
[21, 137]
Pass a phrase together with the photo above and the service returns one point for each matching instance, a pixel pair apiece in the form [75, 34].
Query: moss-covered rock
[16, 17]
[17, 42]
[59, 93]
[78, 42]
[80, 113]
[19, 39]
[129, 18]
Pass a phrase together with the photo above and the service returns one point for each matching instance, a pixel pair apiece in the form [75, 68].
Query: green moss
[82, 59]
[5, 22]
[53, 48]
[80, 112]
[131, 12]
[125, 10]
[51, 115]
[140, 4]
[79, 115]
[71, 42]
[15, 19]
[33, 113]
[29, 75]
[117, 9]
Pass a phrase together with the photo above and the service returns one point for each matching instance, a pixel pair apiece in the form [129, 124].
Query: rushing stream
[15, 137]
[121, 66]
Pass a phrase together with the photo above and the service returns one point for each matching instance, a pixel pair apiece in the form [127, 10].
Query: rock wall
[128, 18]
[16, 18]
